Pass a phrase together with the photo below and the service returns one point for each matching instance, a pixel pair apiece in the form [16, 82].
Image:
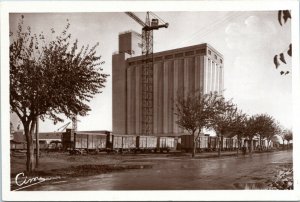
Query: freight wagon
[78, 142]
[202, 143]
[146, 143]
[207, 143]
[87, 141]
[122, 143]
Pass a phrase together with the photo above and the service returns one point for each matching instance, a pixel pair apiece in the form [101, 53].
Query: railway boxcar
[166, 144]
[146, 143]
[77, 142]
[235, 143]
[213, 144]
[122, 143]
[90, 141]
[202, 143]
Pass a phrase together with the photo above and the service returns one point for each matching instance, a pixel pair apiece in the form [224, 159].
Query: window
[216, 57]
[209, 52]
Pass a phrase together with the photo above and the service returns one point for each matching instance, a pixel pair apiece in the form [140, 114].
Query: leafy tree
[52, 77]
[266, 127]
[238, 127]
[272, 136]
[194, 113]
[222, 118]
[282, 136]
[288, 136]
[275, 141]
[251, 130]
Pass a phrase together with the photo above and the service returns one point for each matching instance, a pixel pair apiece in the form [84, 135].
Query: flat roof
[179, 50]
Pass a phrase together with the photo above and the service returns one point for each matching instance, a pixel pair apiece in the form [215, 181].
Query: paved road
[178, 173]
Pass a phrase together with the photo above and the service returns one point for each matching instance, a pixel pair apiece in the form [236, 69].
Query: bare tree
[50, 77]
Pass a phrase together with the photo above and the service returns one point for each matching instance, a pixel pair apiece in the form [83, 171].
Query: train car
[88, 141]
[121, 143]
[223, 143]
[213, 144]
[202, 143]
[43, 145]
[235, 143]
[166, 144]
[146, 143]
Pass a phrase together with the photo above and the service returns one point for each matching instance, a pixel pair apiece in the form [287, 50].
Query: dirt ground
[83, 166]
[59, 160]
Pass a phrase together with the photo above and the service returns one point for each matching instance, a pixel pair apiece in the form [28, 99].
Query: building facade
[176, 72]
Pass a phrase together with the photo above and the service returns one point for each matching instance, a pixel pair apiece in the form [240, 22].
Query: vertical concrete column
[170, 96]
[201, 76]
[208, 76]
[155, 98]
[211, 76]
[186, 77]
[191, 77]
[213, 87]
[129, 100]
[160, 78]
[197, 73]
[119, 100]
[205, 68]
[175, 91]
[222, 78]
[181, 77]
[165, 97]
[138, 100]
[217, 78]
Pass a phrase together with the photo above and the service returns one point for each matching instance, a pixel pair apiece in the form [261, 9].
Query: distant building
[175, 72]
[49, 137]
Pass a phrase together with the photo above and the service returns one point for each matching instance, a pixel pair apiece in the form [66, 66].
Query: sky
[247, 40]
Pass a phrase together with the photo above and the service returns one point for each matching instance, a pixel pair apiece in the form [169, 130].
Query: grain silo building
[175, 72]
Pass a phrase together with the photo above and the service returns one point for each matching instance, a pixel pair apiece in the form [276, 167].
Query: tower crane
[62, 128]
[147, 66]
[74, 122]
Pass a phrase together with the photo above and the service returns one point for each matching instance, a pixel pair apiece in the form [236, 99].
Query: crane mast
[74, 122]
[147, 68]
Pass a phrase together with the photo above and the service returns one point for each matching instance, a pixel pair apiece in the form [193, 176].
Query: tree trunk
[194, 146]
[260, 147]
[251, 146]
[30, 150]
[219, 143]
[238, 148]
[37, 143]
